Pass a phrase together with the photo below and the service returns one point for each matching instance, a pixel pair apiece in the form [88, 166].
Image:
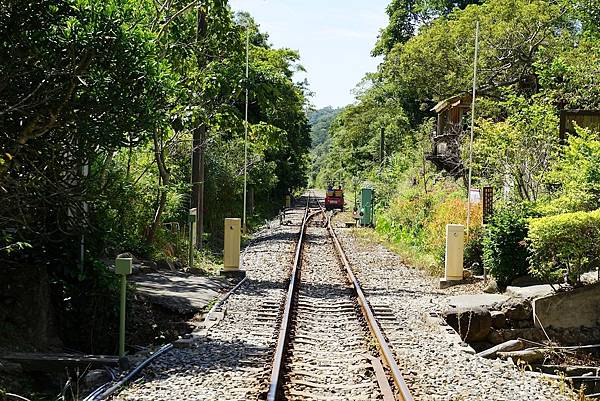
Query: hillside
[320, 121]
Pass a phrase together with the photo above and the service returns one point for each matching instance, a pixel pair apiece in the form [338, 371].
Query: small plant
[504, 249]
[473, 256]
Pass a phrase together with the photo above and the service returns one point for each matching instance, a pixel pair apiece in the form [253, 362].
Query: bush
[416, 223]
[565, 243]
[504, 249]
[452, 210]
[473, 256]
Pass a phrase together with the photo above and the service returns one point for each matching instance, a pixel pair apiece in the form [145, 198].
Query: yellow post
[231, 253]
[455, 236]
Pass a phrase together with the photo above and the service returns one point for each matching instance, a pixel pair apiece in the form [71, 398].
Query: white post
[472, 128]
[453, 266]
[246, 130]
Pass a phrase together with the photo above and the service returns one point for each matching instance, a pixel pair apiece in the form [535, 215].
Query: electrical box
[455, 238]
[231, 254]
[366, 207]
[123, 266]
[288, 201]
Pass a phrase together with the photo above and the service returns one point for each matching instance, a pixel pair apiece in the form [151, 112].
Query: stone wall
[573, 309]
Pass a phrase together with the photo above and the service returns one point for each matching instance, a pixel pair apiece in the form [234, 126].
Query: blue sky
[334, 38]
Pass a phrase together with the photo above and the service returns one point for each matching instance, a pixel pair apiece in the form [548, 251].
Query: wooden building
[583, 118]
[452, 124]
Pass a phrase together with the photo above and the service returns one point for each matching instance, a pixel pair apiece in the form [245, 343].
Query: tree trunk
[165, 176]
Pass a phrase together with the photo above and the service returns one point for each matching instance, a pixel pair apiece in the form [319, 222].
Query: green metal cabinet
[366, 207]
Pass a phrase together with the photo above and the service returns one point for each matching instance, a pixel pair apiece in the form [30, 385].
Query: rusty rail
[384, 349]
[287, 311]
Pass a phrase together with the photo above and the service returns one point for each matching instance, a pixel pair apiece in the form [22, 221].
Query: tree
[79, 85]
[406, 16]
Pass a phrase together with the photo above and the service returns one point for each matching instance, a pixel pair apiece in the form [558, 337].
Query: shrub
[564, 243]
[504, 249]
[473, 256]
[452, 210]
[416, 222]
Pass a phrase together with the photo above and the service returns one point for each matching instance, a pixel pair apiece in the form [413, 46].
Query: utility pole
[472, 128]
[246, 132]
[198, 143]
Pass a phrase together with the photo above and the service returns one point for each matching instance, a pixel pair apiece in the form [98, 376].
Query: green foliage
[437, 63]
[504, 249]
[473, 252]
[99, 117]
[405, 17]
[575, 174]
[356, 134]
[566, 243]
[416, 221]
[320, 122]
[516, 151]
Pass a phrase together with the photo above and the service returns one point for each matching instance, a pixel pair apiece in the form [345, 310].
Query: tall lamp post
[246, 131]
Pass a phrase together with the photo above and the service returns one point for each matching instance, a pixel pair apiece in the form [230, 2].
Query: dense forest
[117, 116]
[536, 59]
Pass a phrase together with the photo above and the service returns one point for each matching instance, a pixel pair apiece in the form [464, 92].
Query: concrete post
[455, 236]
[192, 221]
[231, 251]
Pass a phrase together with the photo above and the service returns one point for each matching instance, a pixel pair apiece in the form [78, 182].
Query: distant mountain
[320, 121]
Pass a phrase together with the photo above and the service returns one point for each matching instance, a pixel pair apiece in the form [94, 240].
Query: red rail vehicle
[334, 198]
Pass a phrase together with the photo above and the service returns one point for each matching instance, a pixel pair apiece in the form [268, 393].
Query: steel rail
[107, 389]
[384, 349]
[287, 312]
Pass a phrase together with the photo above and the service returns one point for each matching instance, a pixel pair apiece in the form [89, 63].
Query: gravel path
[232, 361]
[433, 368]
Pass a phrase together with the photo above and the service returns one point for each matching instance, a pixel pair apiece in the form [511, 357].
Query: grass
[410, 255]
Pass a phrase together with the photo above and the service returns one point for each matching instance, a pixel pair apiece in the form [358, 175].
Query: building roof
[463, 100]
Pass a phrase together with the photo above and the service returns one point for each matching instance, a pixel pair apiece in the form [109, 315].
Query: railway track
[330, 345]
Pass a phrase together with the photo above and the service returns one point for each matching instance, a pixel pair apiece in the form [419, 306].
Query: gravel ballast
[434, 368]
[232, 362]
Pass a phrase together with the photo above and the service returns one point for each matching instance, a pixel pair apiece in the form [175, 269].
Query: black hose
[101, 394]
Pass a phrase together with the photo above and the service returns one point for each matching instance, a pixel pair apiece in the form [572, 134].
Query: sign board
[475, 196]
[488, 204]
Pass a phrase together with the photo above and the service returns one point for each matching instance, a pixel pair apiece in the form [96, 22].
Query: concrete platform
[180, 292]
[530, 292]
[449, 283]
[489, 301]
[236, 273]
